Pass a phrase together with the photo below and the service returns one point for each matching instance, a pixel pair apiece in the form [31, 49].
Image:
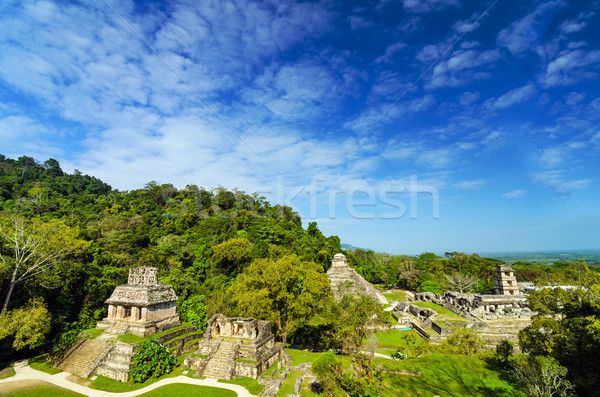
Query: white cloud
[419, 6]
[555, 180]
[522, 35]
[469, 185]
[576, 25]
[390, 51]
[514, 194]
[569, 68]
[512, 97]
[461, 68]
[357, 23]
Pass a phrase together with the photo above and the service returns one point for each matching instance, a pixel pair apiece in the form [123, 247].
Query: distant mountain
[350, 247]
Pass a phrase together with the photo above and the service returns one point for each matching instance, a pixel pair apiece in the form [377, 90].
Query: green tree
[235, 250]
[28, 325]
[504, 350]
[464, 341]
[567, 328]
[286, 292]
[35, 248]
[193, 310]
[542, 377]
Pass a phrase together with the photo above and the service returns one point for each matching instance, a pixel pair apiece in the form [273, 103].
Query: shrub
[398, 355]
[193, 310]
[151, 360]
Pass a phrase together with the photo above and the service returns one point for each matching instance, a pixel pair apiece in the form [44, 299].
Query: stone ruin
[497, 316]
[236, 347]
[343, 279]
[141, 307]
[505, 280]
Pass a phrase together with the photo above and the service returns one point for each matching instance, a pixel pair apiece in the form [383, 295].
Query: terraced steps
[80, 358]
[222, 364]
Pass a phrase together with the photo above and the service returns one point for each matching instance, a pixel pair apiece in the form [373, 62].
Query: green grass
[106, 384]
[180, 389]
[93, 332]
[446, 375]
[443, 313]
[395, 296]
[7, 372]
[287, 386]
[250, 384]
[41, 364]
[393, 339]
[131, 339]
[45, 390]
[241, 360]
[136, 340]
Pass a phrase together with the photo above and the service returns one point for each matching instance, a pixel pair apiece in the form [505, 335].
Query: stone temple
[344, 279]
[235, 347]
[141, 307]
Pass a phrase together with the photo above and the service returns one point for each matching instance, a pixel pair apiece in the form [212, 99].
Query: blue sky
[400, 125]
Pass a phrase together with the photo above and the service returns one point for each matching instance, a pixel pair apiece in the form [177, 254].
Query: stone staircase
[222, 364]
[81, 357]
[118, 362]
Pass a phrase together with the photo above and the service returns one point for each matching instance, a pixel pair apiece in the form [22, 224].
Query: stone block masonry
[343, 279]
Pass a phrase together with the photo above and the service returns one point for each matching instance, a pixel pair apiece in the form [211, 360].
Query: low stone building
[236, 347]
[343, 279]
[141, 307]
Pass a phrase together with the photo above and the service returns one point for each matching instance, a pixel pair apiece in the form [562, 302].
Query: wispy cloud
[514, 194]
[419, 6]
[469, 185]
[569, 67]
[524, 34]
[555, 180]
[514, 96]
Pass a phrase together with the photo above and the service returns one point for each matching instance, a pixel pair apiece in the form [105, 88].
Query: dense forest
[67, 240]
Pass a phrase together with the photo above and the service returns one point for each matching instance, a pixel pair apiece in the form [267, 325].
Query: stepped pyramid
[344, 279]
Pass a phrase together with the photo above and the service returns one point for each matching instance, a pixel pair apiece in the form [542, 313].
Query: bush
[398, 355]
[151, 360]
[193, 310]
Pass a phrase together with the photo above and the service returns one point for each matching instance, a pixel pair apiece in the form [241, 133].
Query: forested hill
[199, 239]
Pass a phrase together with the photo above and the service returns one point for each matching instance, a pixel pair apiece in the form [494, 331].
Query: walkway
[25, 372]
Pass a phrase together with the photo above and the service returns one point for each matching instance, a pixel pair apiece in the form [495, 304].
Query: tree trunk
[8, 294]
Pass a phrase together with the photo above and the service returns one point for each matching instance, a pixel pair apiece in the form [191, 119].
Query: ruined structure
[505, 280]
[235, 347]
[344, 279]
[141, 307]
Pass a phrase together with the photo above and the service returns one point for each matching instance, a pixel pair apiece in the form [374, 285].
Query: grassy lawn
[250, 384]
[446, 375]
[287, 386]
[41, 364]
[7, 372]
[395, 296]
[136, 340]
[106, 384]
[93, 332]
[39, 389]
[393, 338]
[303, 356]
[179, 389]
[443, 313]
